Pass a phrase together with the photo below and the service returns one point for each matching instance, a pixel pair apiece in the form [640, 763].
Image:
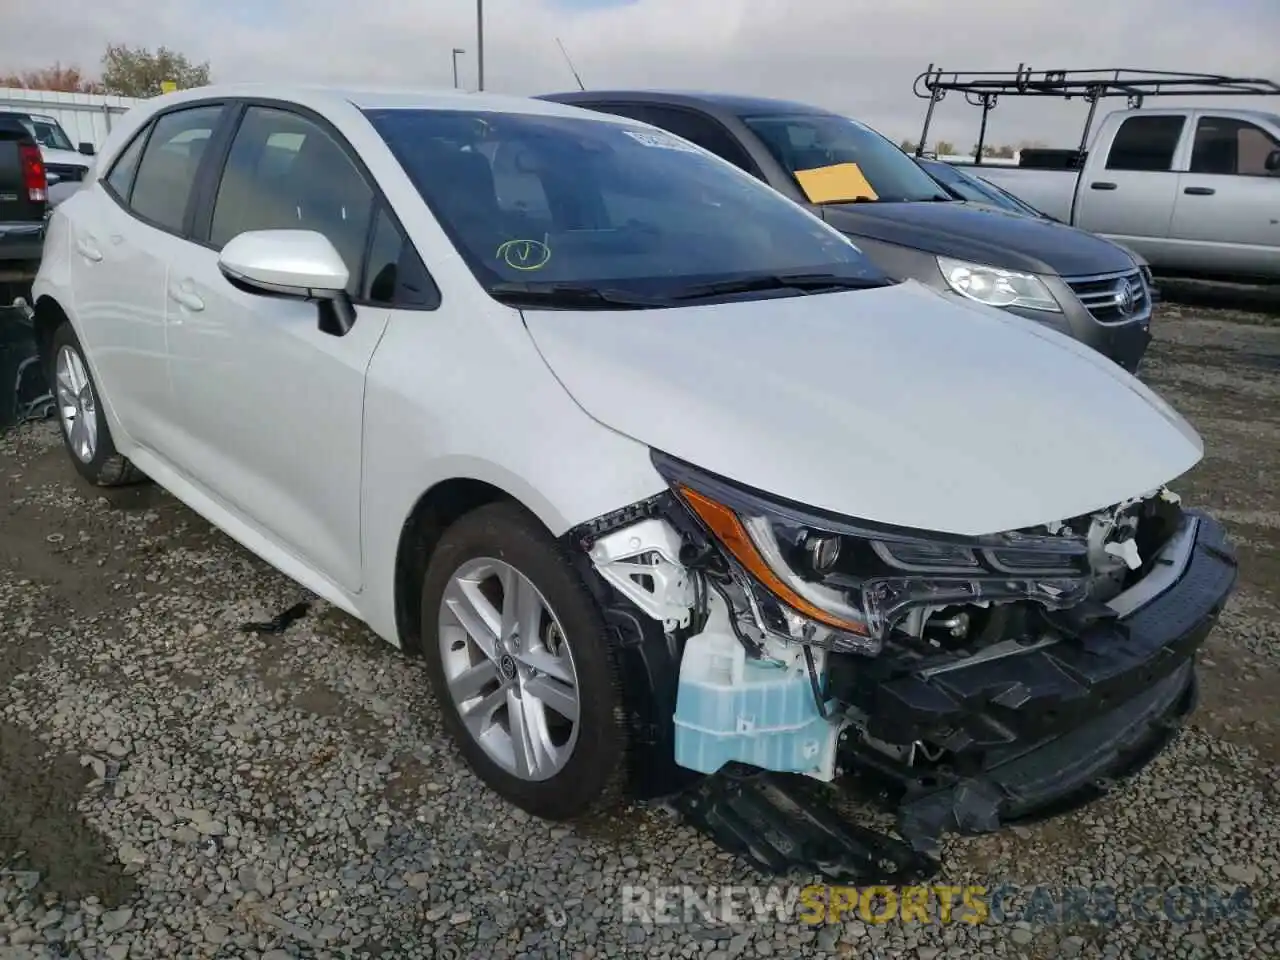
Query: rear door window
[120, 180]
[167, 171]
[1146, 143]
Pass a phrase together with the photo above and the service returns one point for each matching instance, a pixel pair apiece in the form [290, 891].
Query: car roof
[373, 98]
[737, 104]
[1247, 114]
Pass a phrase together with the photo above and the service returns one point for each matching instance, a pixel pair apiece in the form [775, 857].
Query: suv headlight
[996, 287]
[845, 584]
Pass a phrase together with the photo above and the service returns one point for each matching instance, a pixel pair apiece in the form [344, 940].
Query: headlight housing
[845, 584]
[996, 287]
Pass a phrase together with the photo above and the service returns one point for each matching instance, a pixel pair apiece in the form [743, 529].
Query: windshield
[973, 188]
[568, 203]
[47, 131]
[838, 160]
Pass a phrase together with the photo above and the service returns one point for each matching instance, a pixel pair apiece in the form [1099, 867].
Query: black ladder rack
[984, 88]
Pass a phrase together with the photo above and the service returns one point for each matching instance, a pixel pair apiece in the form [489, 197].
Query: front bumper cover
[1044, 730]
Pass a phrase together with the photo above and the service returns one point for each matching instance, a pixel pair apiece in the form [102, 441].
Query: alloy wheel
[509, 669]
[77, 406]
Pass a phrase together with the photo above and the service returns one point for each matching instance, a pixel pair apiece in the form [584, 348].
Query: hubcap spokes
[509, 670]
[77, 409]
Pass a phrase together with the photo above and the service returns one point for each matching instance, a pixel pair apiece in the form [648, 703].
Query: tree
[137, 72]
[56, 77]
[991, 150]
[944, 148]
[908, 146]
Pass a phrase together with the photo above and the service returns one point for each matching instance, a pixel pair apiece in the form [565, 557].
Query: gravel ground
[171, 786]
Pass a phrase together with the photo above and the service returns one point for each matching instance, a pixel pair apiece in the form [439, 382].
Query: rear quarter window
[1146, 143]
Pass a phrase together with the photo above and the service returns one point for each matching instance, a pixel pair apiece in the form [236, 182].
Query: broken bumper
[1040, 731]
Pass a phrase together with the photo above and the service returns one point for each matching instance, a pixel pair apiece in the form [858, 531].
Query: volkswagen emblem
[1129, 296]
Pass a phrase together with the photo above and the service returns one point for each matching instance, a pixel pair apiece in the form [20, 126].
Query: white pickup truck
[64, 163]
[1196, 191]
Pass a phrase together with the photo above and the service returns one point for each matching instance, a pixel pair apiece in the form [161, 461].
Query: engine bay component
[732, 708]
[643, 563]
[850, 586]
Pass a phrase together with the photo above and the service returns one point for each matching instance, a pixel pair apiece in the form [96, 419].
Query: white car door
[125, 230]
[271, 406]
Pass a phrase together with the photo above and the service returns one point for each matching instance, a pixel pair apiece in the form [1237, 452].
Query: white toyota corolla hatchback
[662, 477]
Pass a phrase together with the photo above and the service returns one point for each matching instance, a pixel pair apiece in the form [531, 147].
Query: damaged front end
[965, 682]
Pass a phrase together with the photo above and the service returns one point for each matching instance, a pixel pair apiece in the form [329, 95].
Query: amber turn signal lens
[724, 523]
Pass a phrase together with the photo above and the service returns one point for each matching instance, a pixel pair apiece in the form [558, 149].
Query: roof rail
[983, 88]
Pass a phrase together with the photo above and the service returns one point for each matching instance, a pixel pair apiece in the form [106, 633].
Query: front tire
[85, 433]
[521, 665]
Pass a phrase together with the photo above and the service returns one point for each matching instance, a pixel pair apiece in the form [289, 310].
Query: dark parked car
[865, 186]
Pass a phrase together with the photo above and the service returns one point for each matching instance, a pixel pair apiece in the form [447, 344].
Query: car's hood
[982, 234]
[896, 405]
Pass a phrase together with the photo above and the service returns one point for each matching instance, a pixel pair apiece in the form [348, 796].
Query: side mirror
[297, 264]
[88, 149]
[1273, 161]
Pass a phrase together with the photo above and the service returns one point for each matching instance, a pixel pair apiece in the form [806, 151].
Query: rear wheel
[521, 666]
[84, 424]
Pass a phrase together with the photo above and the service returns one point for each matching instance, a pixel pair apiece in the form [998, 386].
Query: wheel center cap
[507, 666]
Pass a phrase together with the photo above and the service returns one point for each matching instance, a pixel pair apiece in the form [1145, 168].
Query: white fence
[87, 117]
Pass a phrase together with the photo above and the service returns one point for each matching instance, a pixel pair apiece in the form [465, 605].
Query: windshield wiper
[517, 293]
[809, 282]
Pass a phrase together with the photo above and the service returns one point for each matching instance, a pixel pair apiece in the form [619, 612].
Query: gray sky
[854, 56]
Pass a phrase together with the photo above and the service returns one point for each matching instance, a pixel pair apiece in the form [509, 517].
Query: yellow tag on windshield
[835, 184]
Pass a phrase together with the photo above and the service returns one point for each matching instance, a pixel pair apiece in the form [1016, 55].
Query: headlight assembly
[996, 287]
[846, 584]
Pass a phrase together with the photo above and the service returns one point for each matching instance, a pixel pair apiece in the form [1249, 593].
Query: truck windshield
[50, 134]
[595, 208]
[838, 160]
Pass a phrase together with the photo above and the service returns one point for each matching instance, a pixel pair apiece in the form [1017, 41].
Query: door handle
[87, 249]
[1102, 185]
[183, 295]
[1200, 191]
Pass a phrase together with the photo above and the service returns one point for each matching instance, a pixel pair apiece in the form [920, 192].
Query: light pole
[480, 44]
[456, 52]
